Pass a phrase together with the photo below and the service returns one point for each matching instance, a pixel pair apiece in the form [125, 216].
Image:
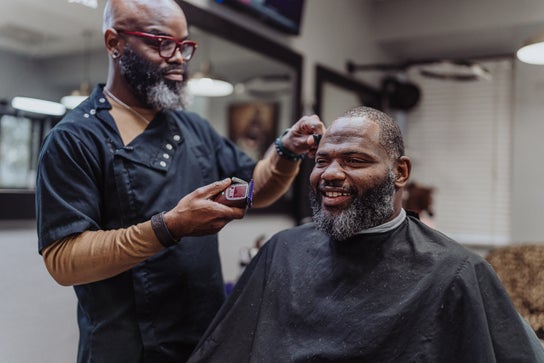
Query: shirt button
[166, 156]
[92, 112]
[163, 164]
[86, 115]
[177, 137]
[101, 100]
[169, 146]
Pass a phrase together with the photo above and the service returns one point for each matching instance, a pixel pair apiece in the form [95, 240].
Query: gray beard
[145, 79]
[161, 97]
[375, 207]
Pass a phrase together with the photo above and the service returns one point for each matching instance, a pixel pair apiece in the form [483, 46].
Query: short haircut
[390, 134]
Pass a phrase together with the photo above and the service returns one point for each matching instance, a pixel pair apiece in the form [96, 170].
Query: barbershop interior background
[470, 112]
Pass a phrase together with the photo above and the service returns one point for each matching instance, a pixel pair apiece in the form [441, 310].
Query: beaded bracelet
[286, 153]
[161, 230]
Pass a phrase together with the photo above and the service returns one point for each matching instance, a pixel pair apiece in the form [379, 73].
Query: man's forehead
[354, 126]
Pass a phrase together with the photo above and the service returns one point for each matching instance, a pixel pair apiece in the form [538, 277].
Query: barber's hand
[300, 138]
[197, 215]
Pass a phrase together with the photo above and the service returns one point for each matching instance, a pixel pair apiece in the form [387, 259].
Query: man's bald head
[137, 70]
[132, 14]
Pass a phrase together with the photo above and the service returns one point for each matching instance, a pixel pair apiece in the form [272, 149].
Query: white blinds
[459, 140]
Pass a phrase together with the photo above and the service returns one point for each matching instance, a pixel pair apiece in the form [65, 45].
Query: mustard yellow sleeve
[272, 177]
[96, 255]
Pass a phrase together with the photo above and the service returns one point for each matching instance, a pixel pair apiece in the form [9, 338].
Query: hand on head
[300, 138]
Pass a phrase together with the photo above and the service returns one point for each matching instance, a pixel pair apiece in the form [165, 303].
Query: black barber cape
[407, 295]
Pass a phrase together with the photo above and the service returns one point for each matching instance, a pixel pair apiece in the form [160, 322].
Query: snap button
[166, 156]
[169, 146]
[163, 164]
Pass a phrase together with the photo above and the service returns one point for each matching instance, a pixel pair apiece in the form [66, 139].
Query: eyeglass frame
[160, 39]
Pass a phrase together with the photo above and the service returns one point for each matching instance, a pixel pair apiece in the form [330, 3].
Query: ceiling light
[36, 105]
[208, 84]
[532, 51]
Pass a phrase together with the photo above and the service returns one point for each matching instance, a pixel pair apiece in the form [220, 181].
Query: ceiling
[405, 29]
[46, 28]
[430, 29]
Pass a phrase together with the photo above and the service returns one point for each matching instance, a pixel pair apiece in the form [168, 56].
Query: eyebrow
[345, 153]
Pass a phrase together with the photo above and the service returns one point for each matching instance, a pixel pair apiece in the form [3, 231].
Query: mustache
[175, 67]
[337, 185]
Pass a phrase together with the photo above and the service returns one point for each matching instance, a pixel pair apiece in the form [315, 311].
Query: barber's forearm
[97, 255]
[272, 177]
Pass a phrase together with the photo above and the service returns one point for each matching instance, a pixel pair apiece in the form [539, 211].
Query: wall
[24, 75]
[324, 39]
[527, 151]
[38, 317]
[459, 141]
[439, 28]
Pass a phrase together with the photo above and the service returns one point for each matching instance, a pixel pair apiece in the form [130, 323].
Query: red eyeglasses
[167, 45]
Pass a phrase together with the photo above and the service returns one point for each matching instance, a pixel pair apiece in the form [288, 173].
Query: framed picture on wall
[253, 126]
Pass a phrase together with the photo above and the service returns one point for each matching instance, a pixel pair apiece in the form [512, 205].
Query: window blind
[459, 140]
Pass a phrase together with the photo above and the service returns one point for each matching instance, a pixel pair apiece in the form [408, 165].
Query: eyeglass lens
[168, 48]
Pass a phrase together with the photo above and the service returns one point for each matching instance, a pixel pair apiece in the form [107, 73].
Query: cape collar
[387, 226]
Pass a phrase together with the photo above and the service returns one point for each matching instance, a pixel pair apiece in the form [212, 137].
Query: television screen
[284, 15]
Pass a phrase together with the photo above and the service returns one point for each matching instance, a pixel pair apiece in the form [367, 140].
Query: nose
[333, 171]
[177, 57]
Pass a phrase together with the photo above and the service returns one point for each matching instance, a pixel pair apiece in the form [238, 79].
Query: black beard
[147, 82]
[375, 207]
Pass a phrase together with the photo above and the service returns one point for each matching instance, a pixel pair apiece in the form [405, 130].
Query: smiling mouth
[336, 194]
[335, 198]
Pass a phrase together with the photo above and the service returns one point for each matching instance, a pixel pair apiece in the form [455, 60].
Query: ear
[111, 40]
[403, 167]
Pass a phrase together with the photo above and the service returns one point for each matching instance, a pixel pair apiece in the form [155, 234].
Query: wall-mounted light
[532, 50]
[36, 105]
[451, 70]
[208, 84]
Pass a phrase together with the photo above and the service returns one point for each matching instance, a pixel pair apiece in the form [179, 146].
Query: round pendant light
[532, 51]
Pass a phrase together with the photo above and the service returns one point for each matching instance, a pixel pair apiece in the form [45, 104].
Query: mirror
[265, 76]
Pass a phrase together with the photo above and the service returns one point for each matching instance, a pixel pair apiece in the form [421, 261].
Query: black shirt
[89, 180]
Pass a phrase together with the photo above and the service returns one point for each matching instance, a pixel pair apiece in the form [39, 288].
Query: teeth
[335, 194]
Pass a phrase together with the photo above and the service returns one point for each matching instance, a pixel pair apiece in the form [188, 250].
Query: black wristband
[286, 153]
[161, 230]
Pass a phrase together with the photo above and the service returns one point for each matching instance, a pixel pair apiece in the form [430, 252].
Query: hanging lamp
[208, 84]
